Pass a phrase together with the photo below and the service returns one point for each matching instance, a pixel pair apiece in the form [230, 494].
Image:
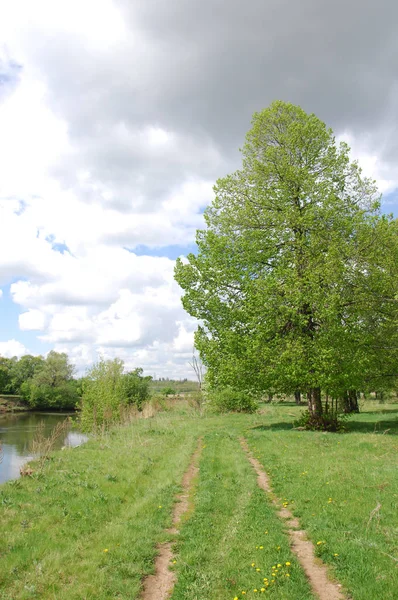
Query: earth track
[302, 547]
[160, 585]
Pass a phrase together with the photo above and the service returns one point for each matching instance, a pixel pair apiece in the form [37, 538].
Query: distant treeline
[49, 383]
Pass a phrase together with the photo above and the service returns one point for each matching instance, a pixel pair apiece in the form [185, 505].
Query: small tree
[136, 387]
[52, 384]
[106, 389]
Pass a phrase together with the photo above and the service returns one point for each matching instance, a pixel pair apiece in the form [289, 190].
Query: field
[90, 523]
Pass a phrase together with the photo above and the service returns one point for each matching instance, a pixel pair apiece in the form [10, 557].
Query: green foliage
[227, 399]
[136, 387]
[42, 396]
[25, 369]
[106, 389]
[169, 391]
[296, 276]
[5, 375]
[52, 385]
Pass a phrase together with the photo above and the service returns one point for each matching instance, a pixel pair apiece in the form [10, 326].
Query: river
[17, 431]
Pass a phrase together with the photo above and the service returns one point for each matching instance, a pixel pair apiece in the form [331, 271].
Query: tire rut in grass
[303, 548]
[160, 585]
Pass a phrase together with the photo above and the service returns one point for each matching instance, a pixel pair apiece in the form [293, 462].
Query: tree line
[295, 281]
[50, 383]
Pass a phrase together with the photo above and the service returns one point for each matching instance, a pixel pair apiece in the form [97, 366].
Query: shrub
[169, 391]
[107, 391]
[325, 422]
[227, 399]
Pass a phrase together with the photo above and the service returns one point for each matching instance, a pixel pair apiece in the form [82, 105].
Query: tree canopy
[295, 279]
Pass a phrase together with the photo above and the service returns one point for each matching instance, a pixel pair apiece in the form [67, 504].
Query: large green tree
[24, 369]
[294, 276]
[52, 384]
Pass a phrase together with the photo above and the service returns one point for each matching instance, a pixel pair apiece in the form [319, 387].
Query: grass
[233, 538]
[86, 526]
[344, 489]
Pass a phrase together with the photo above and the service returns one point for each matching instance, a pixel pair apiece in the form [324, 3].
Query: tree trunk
[350, 402]
[315, 401]
[297, 397]
[270, 396]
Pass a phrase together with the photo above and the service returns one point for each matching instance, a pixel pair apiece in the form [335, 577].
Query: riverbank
[88, 522]
[12, 403]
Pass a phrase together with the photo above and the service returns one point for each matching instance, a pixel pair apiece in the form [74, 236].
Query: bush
[326, 422]
[169, 391]
[136, 388]
[107, 391]
[43, 396]
[230, 400]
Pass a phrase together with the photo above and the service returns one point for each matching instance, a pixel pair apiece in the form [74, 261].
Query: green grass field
[87, 526]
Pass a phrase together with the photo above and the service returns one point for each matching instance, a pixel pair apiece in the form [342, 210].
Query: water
[17, 432]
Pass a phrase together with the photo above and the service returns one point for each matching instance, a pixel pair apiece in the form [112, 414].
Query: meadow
[88, 524]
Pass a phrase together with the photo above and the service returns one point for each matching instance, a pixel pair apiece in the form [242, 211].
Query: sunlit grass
[344, 489]
[87, 526]
[234, 545]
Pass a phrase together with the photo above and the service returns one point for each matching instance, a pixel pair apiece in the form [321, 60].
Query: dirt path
[315, 570]
[160, 585]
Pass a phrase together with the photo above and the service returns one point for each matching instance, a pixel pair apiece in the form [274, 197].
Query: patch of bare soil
[303, 548]
[160, 585]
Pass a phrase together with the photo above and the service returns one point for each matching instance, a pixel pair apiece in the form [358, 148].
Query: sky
[116, 119]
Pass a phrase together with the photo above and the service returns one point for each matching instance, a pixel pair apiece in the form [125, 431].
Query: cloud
[12, 348]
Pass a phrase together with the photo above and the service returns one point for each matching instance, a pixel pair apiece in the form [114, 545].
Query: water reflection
[17, 432]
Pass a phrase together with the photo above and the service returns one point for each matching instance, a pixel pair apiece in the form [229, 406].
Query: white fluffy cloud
[12, 348]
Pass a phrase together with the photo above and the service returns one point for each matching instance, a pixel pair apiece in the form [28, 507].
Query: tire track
[160, 585]
[302, 547]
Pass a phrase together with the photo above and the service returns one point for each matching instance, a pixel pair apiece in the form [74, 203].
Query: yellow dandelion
[255, 590]
[258, 570]
[335, 554]
[279, 566]
[287, 575]
[105, 549]
[262, 590]
[261, 547]
[287, 564]
[253, 564]
[159, 506]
